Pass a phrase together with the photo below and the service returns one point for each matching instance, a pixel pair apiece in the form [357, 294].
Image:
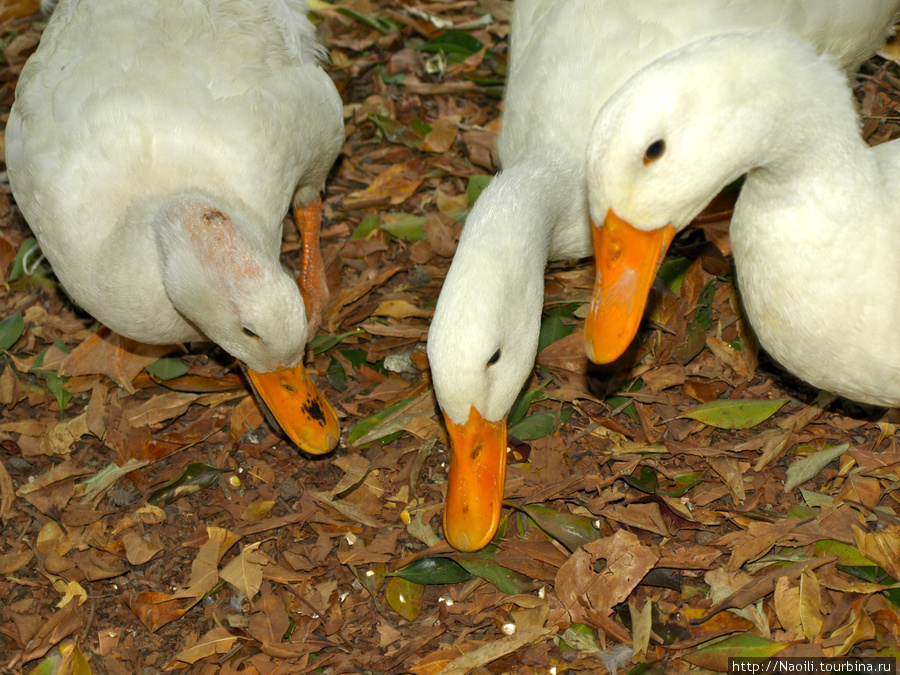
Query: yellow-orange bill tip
[307, 417]
[627, 260]
[476, 481]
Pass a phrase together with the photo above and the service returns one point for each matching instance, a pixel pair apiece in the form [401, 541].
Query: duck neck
[493, 294]
[813, 172]
[527, 211]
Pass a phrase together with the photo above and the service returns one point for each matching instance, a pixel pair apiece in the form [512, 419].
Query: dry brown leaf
[495, 650]
[269, 621]
[641, 628]
[7, 493]
[110, 354]
[59, 626]
[787, 606]
[156, 610]
[393, 186]
[859, 627]
[731, 471]
[441, 137]
[400, 309]
[205, 568]
[158, 409]
[245, 416]
[139, 550]
[245, 571]
[882, 546]
[9, 387]
[59, 438]
[10, 562]
[216, 641]
[811, 618]
[627, 562]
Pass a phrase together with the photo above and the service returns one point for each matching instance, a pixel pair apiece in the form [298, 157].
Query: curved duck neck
[521, 213]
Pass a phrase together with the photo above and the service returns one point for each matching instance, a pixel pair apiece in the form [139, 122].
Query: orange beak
[477, 477]
[627, 260]
[303, 413]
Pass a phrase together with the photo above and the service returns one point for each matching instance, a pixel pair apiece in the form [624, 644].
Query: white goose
[567, 58]
[154, 148]
[816, 229]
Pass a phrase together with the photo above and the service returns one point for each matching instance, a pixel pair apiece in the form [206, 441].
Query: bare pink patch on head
[220, 245]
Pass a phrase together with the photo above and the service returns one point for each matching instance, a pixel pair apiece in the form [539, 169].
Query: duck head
[481, 348]
[226, 279]
[660, 150]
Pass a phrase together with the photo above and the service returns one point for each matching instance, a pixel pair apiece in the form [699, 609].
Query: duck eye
[494, 358]
[250, 333]
[654, 151]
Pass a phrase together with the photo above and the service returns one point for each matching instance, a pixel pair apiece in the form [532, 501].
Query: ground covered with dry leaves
[153, 521]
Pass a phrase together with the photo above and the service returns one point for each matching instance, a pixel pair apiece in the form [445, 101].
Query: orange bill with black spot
[476, 481]
[306, 416]
[627, 261]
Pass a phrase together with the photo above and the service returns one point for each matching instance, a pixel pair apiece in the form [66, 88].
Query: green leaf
[570, 531]
[168, 368]
[673, 271]
[815, 499]
[336, 376]
[436, 570]
[524, 401]
[322, 343]
[358, 357]
[695, 340]
[538, 425]
[365, 425]
[475, 187]
[55, 383]
[397, 132]
[648, 668]
[616, 401]
[366, 227]
[405, 226]
[875, 575]
[379, 24]
[397, 78]
[744, 646]
[194, 478]
[646, 480]
[420, 127]
[457, 45]
[703, 315]
[481, 564]
[28, 250]
[11, 329]
[553, 329]
[734, 413]
[683, 483]
[50, 665]
[849, 555]
[581, 638]
[404, 597]
[809, 467]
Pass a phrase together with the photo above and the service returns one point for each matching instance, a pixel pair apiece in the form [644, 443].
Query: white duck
[154, 149]
[816, 229]
[567, 58]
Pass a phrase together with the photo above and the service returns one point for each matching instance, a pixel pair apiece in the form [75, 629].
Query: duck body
[567, 58]
[816, 230]
[154, 149]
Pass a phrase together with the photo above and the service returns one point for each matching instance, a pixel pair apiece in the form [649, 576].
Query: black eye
[250, 333]
[654, 151]
[494, 358]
